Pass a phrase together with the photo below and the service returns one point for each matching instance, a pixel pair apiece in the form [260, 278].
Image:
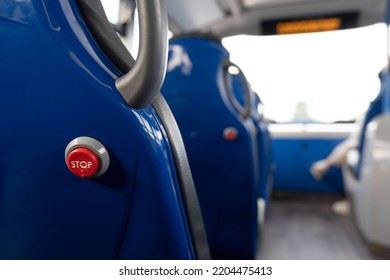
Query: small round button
[86, 157]
[83, 162]
[230, 134]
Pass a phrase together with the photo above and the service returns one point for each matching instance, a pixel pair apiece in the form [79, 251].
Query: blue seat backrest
[375, 109]
[266, 154]
[56, 85]
[224, 171]
[262, 135]
[386, 92]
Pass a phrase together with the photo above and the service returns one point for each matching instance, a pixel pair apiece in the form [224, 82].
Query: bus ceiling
[256, 17]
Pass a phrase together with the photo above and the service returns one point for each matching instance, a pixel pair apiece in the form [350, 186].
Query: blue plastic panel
[57, 85]
[292, 160]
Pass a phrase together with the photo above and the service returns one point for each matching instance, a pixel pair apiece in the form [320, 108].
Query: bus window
[111, 7]
[317, 77]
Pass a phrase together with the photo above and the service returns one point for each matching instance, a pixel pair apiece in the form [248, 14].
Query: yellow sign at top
[306, 26]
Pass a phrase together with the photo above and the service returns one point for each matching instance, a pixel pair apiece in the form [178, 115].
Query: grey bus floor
[307, 229]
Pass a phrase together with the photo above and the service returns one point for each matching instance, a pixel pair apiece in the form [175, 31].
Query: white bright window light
[111, 7]
[331, 76]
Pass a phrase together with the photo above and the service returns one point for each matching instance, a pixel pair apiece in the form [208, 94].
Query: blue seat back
[377, 107]
[224, 171]
[264, 140]
[56, 85]
[262, 136]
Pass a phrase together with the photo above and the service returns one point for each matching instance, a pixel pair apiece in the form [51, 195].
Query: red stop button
[230, 134]
[83, 162]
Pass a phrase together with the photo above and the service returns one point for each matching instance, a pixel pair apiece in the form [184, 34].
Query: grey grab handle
[141, 84]
[243, 111]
